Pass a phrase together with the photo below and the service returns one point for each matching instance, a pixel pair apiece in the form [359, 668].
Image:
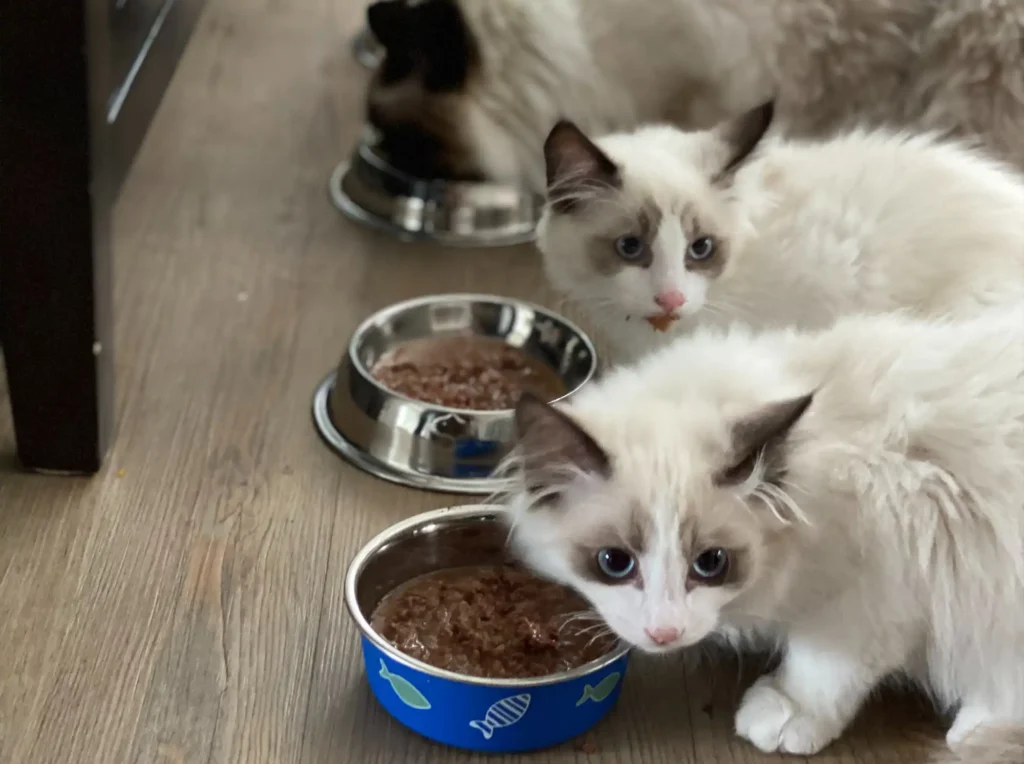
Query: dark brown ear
[742, 135]
[430, 37]
[762, 436]
[576, 167]
[553, 446]
[389, 20]
[446, 43]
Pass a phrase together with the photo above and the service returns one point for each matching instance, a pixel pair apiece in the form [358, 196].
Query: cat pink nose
[671, 300]
[663, 635]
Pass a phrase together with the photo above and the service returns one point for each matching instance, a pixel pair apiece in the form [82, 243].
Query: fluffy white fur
[892, 544]
[946, 65]
[867, 221]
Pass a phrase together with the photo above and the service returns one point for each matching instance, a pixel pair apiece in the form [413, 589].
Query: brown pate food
[494, 621]
[477, 373]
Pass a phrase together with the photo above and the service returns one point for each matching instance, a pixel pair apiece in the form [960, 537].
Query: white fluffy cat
[854, 494]
[471, 87]
[690, 228]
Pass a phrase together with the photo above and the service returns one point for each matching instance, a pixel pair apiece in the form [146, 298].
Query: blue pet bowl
[494, 715]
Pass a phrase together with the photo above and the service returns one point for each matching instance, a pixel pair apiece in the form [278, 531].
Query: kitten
[688, 228]
[470, 88]
[855, 495]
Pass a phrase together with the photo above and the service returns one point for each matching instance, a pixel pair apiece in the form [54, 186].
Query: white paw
[775, 724]
[969, 720]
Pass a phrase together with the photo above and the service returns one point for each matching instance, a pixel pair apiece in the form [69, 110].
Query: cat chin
[649, 648]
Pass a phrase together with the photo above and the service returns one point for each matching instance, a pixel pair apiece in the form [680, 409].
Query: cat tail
[987, 745]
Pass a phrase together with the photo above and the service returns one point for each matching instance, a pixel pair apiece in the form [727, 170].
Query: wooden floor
[186, 604]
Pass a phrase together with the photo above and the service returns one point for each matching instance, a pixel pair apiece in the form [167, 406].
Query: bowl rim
[366, 48]
[398, 307]
[365, 153]
[363, 623]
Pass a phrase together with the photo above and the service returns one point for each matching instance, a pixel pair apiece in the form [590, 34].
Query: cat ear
[388, 20]
[433, 34]
[760, 438]
[742, 135]
[446, 43]
[553, 446]
[576, 167]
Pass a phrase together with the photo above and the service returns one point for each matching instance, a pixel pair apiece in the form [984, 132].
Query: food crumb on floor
[120, 473]
[709, 710]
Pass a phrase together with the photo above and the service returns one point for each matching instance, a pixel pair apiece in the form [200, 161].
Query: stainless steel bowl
[453, 708]
[367, 49]
[453, 213]
[433, 447]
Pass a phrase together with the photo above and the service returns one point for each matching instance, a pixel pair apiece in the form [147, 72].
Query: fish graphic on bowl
[475, 713]
[504, 713]
[404, 689]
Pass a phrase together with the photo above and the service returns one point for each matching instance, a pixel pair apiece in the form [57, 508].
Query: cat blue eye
[616, 563]
[701, 248]
[630, 247]
[710, 566]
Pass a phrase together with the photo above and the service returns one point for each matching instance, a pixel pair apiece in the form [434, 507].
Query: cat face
[641, 225]
[664, 532]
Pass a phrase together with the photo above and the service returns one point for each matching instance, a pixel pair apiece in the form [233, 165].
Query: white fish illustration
[504, 713]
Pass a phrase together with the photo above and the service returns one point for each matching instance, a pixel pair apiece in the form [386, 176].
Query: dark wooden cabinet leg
[55, 277]
[54, 293]
[79, 85]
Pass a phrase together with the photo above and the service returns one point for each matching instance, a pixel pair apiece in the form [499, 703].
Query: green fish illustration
[404, 690]
[602, 691]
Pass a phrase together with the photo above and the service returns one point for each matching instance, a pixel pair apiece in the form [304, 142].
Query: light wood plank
[186, 604]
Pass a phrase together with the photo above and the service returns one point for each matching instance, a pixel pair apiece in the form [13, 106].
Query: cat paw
[976, 719]
[967, 720]
[773, 723]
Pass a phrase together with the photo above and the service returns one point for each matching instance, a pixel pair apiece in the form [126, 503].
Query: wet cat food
[661, 323]
[479, 373]
[499, 622]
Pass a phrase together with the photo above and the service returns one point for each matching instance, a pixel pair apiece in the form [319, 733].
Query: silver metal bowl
[433, 447]
[453, 213]
[454, 708]
[367, 49]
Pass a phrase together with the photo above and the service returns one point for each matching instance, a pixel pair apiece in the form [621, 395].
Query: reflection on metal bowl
[366, 49]
[497, 715]
[429, 446]
[452, 213]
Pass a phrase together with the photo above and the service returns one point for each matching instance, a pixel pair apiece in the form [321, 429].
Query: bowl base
[355, 212]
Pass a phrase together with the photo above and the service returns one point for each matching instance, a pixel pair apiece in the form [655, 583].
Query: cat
[707, 227]
[470, 88]
[853, 495]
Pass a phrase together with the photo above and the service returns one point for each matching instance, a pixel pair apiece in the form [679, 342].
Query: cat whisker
[583, 616]
[715, 310]
[729, 309]
[576, 630]
[600, 635]
[601, 625]
[578, 616]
